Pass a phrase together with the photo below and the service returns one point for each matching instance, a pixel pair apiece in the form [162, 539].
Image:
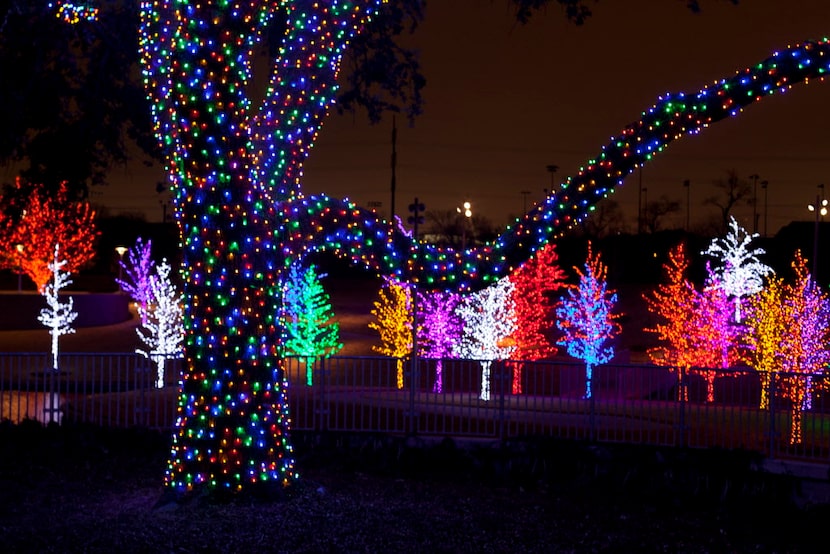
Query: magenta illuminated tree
[585, 317]
[439, 329]
[717, 341]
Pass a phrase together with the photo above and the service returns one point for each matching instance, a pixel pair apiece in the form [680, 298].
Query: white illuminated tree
[162, 321]
[59, 315]
[488, 320]
[739, 272]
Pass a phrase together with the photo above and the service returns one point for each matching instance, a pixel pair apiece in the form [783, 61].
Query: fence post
[412, 416]
[771, 408]
[683, 397]
[503, 377]
[321, 392]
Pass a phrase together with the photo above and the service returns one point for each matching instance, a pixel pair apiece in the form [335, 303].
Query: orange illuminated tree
[40, 222]
[673, 303]
[533, 285]
[695, 328]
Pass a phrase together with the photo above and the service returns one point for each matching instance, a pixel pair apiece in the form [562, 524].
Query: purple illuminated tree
[585, 317]
[489, 320]
[138, 271]
[804, 345]
[309, 321]
[740, 272]
[439, 328]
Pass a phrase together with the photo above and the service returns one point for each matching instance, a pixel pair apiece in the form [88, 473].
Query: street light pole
[754, 178]
[120, 250]
[820, 208]
[467, 211]
[688, 186]
[764, 185]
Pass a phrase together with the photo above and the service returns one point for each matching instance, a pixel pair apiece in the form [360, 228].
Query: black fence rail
[781, 415]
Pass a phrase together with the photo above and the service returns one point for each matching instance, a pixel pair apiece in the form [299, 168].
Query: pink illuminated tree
[439, 328]
[534, 284]
[716, 338]
[585, 317]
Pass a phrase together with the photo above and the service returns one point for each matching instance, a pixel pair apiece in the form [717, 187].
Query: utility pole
[552, 169]
[394, 163]
[764, 185]
[688, 186]
[524, 194]
[640, 203]
[754, 178]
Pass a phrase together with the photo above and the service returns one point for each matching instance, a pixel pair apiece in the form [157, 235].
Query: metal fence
[783, 416]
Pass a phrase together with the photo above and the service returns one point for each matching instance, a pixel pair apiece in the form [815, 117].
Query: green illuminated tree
[309, 321]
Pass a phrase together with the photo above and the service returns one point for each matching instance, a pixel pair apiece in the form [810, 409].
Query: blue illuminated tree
[586, 319]
[309, 321]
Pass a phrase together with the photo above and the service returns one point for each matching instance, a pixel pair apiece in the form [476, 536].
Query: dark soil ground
[84, 489]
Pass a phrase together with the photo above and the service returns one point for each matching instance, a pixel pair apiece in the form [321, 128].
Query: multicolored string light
[74, 12]
[235, 169]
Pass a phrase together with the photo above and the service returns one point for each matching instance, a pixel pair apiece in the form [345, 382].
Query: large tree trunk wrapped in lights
[233, 168]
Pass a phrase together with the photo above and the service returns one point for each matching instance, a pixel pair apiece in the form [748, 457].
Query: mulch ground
[87, 489]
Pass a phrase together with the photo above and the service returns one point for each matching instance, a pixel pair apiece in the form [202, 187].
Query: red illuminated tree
[41, 222]
[534, 283]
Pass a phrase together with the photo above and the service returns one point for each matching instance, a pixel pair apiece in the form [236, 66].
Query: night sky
[504, 101]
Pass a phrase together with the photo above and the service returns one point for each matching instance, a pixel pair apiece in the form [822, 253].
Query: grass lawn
[87, 489]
